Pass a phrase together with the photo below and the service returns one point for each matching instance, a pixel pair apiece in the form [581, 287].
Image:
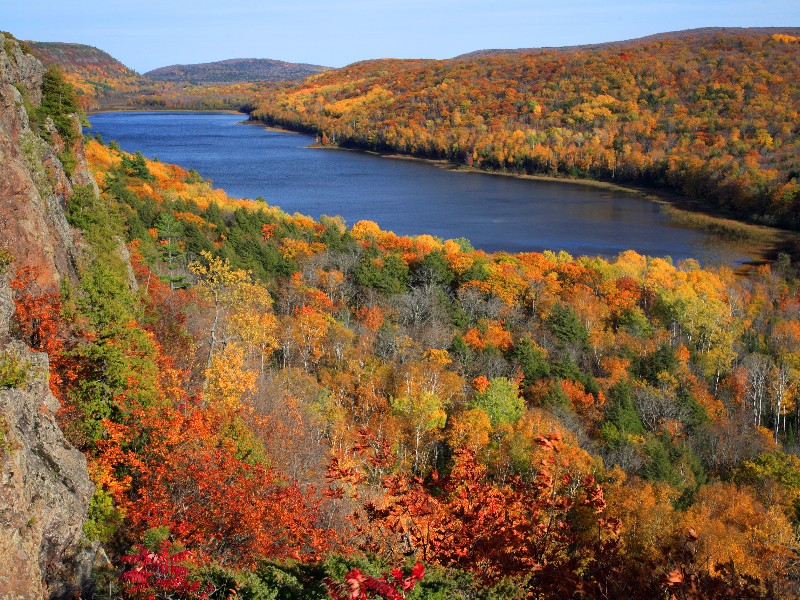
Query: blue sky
[145, 34]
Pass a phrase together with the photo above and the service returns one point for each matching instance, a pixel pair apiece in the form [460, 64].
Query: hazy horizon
[151, 34]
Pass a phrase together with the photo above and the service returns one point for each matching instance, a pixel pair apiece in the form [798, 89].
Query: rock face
[44, 495]
[44, 484]
[19, 67]
[6, 310]
[33, 184]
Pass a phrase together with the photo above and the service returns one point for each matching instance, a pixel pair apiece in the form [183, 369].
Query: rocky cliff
[34, 185]
[44, 484]
[44, 492]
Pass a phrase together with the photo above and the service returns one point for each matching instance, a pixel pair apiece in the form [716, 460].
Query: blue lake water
[409, 197]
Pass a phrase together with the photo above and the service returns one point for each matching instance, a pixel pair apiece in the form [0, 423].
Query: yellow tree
[733, 526]
[227, 381]
[225, 288]
[253, 323]
[423, 415]
[470, 429]
[305, 333]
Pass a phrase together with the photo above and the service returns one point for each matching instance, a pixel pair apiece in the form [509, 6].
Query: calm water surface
[407, 197]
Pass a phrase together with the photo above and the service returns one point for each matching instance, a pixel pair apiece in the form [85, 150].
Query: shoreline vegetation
[697, 115]
[762, 243]
[115, 109]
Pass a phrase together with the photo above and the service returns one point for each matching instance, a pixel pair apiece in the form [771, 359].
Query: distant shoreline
[763, 243]
[109, 109]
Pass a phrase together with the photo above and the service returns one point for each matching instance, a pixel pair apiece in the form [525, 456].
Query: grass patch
[6, 444]
[5, 260]
[34, 150]
[727, 229]
[13, 370]
[68, 160]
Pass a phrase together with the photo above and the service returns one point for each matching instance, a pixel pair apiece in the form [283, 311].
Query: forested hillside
[685, 34]
[713, 117]
[273, 392]
[95, 75]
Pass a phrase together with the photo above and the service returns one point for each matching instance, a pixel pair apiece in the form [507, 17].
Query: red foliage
[267, 229]
[390, 586]
[519, 528]
[371, 316]
[192, 479]
[165, 310]
[38, 317]
[160, 575]
[480, 383]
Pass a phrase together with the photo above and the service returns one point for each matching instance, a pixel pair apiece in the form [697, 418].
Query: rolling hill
[103, 82]
[710, 114]
[236, 70]
[80, 58]
[98, 77]
[699, 33]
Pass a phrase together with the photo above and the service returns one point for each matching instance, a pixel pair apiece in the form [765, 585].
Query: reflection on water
[408, 197]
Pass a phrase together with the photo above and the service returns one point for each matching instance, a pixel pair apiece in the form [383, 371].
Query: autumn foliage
[522, 529]
[390, 586]
[191, 480]
[708, 114]
[40, 322]
[268, 394]
[160, 574]
[540, 419]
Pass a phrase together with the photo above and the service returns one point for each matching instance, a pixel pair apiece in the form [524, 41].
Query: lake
[409, 197]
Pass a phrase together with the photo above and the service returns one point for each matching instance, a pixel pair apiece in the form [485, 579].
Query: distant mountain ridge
[670, 35]
[102, 81]
[236, 70]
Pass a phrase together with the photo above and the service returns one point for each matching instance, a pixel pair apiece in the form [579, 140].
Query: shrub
[6, 445]
[5, 260]
[13, 370]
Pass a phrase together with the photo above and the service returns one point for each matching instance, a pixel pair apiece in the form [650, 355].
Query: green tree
[532, 361]
[566, 326]
[388, 274]
[501, 401]
[135, 165]
[59, 102]
[170, 233]
[432, 270]
[621, 410]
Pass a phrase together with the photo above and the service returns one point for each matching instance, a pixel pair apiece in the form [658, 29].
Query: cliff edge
[44, 484]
